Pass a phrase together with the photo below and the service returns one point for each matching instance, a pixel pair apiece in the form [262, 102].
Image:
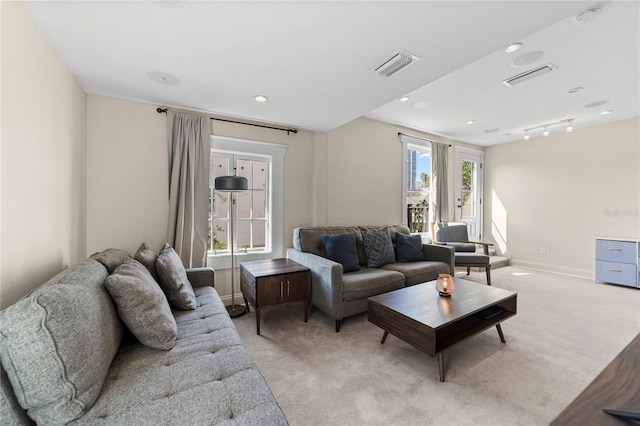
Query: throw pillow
[173, 280]
[111, 258]
[378, 248]
[142, 305]
[148, 258]
[341, 248]
[408, 248]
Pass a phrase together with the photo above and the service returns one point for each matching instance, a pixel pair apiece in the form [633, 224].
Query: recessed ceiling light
[404, 99]
[260, 98]
[513, 47]
[575, 90]
[491, 130]
[471, 121]
[609, 111]
[419, 105]
[163, 78]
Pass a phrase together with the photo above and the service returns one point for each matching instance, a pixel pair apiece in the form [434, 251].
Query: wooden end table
[272, 282]
[433, 324]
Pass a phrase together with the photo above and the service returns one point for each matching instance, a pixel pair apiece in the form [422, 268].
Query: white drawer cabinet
[617, 261]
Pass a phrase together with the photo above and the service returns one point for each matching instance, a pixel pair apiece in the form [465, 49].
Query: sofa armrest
[201, 277]
[485, 246]
[326, 281]
[440, 253]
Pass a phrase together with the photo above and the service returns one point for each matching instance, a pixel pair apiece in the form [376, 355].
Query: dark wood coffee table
[433, 324]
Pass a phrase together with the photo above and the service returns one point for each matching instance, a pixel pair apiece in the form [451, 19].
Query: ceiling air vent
[399, 60]
[528, 75]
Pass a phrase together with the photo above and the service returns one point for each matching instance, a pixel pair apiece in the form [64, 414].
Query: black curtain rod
[417, 137]
[164, 110]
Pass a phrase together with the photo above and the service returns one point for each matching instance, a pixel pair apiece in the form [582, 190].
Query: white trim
[277, 153]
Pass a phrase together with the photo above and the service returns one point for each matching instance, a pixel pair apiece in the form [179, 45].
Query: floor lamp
[232, 184]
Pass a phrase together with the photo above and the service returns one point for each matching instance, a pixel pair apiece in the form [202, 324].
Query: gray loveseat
[67, 356]
[341, 294]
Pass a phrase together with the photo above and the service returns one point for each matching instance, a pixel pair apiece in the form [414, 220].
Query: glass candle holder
[445, 285]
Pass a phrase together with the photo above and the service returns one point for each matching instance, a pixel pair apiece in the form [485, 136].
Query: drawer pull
[288, 289]
[281, 290]
[615, 249]
[615, 270]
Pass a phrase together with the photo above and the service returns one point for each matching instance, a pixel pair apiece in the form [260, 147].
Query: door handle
[281, 290]
[288, 289]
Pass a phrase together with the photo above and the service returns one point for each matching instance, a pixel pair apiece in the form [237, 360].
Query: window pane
[243, 234]
[259, 204]
[219, 235]
[244, 204]
[219, 166]
[244, 169]
[467, 204]
[259, 174]
[259, 233]
[418, 187]
[221, 205]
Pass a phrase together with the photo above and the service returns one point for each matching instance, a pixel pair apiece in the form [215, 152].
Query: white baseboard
[563, 270]
[227, 299]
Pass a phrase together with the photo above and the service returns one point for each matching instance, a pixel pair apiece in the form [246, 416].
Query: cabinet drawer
[617, 251]
[616, 273]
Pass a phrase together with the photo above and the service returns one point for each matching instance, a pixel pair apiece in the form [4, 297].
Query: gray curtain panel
[189, 144]
[440, 156]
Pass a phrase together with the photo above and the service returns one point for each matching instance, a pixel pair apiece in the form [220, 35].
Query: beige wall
[42, 164]
[127, 175]
[364, 173]
[562, 191]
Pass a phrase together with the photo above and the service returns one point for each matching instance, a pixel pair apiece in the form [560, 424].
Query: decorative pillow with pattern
[341, 248]
[378, 248]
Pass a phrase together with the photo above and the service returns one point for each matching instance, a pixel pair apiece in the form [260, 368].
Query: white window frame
[406, 142]
[276, 153]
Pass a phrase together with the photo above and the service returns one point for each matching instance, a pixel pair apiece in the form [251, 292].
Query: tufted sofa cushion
[207, 378]
[57, 342]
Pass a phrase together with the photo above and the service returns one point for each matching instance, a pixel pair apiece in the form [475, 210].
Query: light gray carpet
[566, 331]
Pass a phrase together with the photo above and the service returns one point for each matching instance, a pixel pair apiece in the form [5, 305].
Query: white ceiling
[313, 60]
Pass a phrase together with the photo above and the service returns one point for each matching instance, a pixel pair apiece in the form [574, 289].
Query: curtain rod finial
[161, 110]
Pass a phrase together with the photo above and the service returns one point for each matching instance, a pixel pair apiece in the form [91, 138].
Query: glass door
[468, 190]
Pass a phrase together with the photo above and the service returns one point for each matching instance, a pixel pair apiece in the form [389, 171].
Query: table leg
[258, 321]
[384, 337]
[441, 366]
[500, 333]
[306, 310]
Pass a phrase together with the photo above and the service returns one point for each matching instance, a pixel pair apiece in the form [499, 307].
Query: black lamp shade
[231, 183]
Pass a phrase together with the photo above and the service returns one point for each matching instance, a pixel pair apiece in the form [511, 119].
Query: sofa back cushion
[56, 343]
[309, 239]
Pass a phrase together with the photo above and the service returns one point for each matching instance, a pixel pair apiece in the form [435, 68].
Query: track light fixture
[568, 122]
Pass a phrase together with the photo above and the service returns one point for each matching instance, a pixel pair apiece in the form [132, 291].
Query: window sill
[223, 261]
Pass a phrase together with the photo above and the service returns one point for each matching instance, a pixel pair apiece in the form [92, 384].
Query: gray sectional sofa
[342, 294]
[68, 358]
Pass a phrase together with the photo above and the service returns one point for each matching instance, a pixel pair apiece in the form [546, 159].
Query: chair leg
[338, 325]
[468, 270]
[488, 270]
